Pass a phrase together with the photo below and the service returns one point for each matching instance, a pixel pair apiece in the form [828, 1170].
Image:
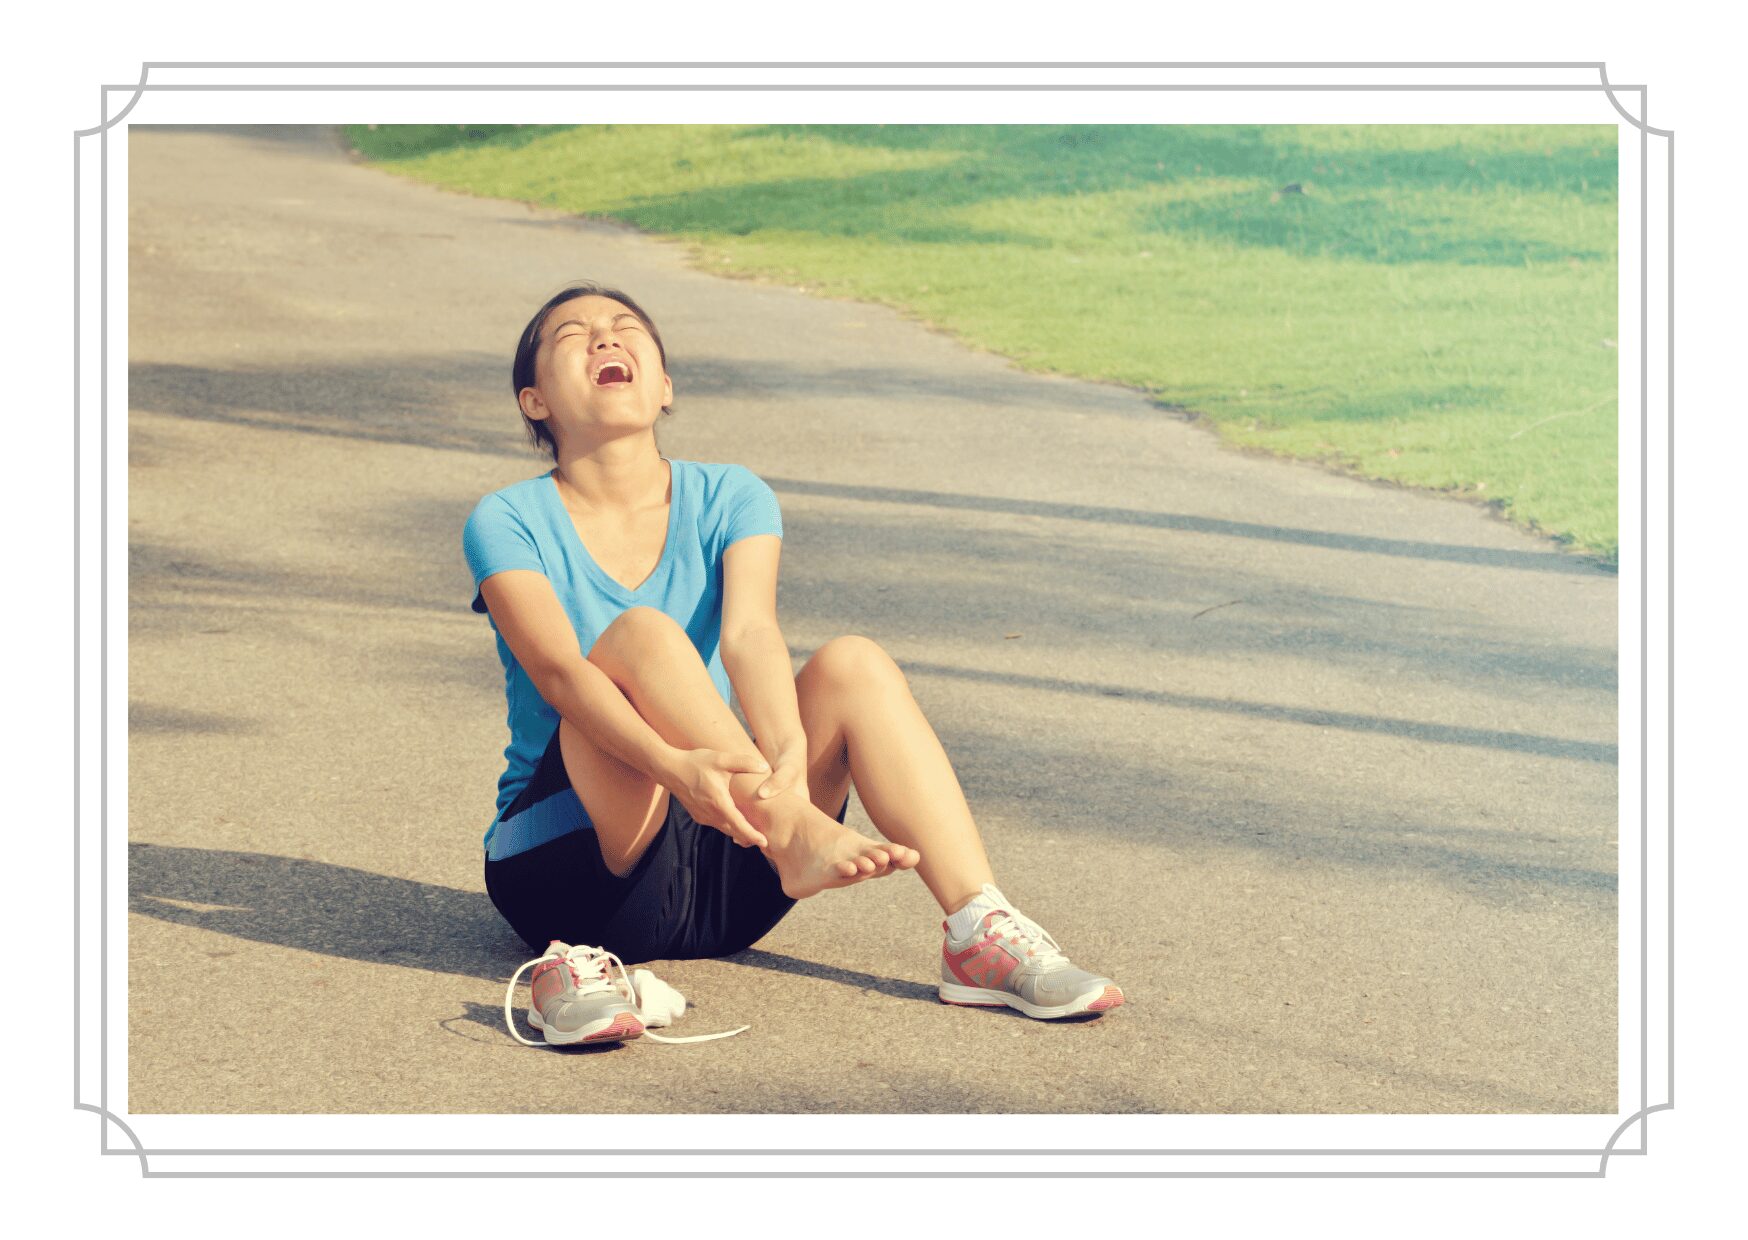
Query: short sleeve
[751, 508]
[496, 539]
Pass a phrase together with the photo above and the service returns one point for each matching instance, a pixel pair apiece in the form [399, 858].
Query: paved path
[1323, 772]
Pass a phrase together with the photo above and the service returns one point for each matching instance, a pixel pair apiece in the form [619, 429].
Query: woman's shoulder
[515, 507]
[519, 496]
[721, 477]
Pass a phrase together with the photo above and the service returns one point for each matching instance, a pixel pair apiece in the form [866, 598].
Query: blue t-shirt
[526, 525]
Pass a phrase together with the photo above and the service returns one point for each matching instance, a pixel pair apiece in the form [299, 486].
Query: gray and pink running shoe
[1010, 961]
[576, 998]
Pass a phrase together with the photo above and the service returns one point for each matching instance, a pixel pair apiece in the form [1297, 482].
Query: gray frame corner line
[134, 1147]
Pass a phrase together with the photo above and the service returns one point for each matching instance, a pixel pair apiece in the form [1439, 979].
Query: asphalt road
[1322, 772]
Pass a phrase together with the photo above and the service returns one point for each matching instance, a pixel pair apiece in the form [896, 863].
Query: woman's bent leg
[652, 661]
[862, 724]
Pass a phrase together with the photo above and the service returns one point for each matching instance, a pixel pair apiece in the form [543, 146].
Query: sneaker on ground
[1010, 961]
[576, 998]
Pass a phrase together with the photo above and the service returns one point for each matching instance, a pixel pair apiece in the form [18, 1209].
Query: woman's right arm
[534, 625]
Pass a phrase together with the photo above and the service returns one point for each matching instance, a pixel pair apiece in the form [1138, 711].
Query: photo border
[138, 90]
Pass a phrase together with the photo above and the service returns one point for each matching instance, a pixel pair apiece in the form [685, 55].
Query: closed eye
[619, 324]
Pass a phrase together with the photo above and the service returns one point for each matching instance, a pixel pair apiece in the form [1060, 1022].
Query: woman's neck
[617, 476]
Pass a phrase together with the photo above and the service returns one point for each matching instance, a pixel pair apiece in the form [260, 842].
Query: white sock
[962, 923]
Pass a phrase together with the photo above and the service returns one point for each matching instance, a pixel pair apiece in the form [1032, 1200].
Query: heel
[970, 996]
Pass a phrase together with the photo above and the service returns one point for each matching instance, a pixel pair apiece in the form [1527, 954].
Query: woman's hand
[700, 779]
[788, 774]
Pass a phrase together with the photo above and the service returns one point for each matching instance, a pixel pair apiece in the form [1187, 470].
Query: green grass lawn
[1433, 305]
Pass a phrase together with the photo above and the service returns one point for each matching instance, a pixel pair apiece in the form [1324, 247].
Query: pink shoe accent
[1112, 998]
[546, 983]
[625, 1025]
[985, 964]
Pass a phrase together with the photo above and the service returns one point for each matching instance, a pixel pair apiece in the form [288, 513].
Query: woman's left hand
[788, 774]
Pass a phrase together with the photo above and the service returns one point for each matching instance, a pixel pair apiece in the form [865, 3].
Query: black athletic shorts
[693, 893]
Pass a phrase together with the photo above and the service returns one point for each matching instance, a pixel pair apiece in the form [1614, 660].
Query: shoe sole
[1102, 999]
[619, 1027]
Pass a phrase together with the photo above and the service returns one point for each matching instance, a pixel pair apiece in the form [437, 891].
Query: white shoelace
[656, 1002]
[1041, 948]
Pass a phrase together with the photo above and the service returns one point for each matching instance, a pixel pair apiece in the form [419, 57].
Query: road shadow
[333, 910]
[1539, 561]
[383, 400]
[390, 401]
[1424, 731]
[864, 378]
[776, 962]
[212, 590]
[336, 910]
[1503, 848]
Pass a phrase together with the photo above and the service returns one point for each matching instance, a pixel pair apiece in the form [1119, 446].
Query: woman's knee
[634, 630]
[854, 659]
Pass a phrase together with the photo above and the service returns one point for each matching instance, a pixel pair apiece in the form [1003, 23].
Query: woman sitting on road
[628, 591]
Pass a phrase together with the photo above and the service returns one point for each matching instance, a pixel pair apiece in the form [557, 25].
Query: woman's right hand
[700, 779]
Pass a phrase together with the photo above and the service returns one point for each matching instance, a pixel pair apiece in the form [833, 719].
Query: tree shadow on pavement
[1424, 731]
[317, 907]
[336, 910]
[776, 962]
[387, 400]
[1550, 561]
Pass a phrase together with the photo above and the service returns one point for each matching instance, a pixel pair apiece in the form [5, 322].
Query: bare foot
[812, 853]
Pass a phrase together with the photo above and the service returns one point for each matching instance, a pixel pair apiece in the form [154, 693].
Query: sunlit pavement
[1322, 772]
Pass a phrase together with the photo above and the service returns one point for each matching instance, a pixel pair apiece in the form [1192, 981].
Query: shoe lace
[1017, 928]
[656, 1002]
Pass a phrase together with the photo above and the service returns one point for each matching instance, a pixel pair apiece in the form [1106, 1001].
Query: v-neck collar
[568, 529]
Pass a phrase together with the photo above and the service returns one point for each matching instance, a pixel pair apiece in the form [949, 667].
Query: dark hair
[528, 348]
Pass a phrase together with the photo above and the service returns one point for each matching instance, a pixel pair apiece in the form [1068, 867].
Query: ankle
[963, 915]
[966, 896]
[777, 818]
[963, 892]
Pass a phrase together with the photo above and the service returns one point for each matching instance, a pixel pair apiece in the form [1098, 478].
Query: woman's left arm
[756, 658]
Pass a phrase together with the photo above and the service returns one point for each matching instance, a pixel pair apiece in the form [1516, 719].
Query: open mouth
[614, 373]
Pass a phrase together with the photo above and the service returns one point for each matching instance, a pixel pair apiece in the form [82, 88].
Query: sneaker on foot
[1009, 960]
[575, 997]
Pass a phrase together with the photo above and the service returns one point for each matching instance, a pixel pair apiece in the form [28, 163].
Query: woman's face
[598, 366]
